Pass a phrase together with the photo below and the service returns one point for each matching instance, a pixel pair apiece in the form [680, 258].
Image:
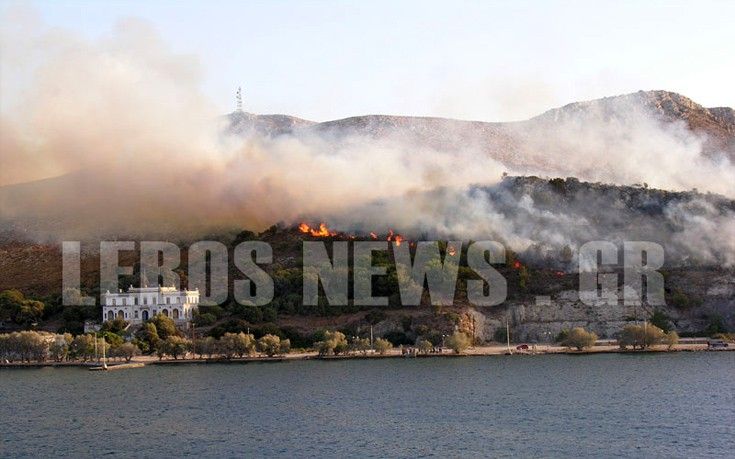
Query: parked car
[717, 344]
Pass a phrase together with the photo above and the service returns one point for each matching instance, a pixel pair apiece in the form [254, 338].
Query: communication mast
[238, 99]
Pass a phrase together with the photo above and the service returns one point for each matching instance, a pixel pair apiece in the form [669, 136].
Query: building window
[136, 314]
[168, 300]
[110, 315]
[176, 314]
[145, 300]
[114, 302]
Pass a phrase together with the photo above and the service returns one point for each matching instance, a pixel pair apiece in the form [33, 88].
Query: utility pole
[238, 100]
[507, 333]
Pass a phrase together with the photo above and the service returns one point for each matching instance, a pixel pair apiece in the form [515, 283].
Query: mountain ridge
[503, 139]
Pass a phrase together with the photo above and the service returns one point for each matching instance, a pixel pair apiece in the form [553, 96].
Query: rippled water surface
[665, 405]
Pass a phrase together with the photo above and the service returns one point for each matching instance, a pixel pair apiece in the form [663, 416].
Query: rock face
[543, 320]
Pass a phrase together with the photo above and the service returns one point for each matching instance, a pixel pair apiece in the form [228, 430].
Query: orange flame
[397, 238]
[323, 231]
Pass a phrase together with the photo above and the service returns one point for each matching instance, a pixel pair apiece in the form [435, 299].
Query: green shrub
[382, 346]
[204, 320]
[458, 342]
[579, 338]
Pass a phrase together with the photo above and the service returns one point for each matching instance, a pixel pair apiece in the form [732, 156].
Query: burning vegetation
[324, 231]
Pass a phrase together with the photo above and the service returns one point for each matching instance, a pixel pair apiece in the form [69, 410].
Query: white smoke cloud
[143, 150]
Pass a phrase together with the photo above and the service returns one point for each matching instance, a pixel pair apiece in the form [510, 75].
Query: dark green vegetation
[574, 210]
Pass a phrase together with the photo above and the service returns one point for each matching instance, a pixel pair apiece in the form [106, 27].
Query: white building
[140, 304]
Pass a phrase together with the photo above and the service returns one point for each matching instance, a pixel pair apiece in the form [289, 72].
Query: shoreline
[478, 351]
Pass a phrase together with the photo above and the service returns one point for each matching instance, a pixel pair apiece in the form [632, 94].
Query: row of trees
[230, 345]
[635, 336]
[16, 308]
[643, 336]
[336, 343]
[28, 346]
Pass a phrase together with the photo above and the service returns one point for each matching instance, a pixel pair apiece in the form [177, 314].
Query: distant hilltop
[503, 139]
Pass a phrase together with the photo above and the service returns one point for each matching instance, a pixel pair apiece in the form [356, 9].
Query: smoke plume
[114, 137]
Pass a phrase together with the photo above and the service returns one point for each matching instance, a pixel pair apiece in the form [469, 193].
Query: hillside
[657, 137]
[699, 278]
[505, 140]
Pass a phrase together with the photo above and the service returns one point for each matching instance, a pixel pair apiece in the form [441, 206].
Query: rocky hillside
[506, 140]
[542, 284]
[717, 124]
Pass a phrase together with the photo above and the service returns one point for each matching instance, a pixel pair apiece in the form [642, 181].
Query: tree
[204, 320]
[127, 351]
[111, 338]
[240, 344]
[333, 343]
[360, 345]
[458, 342]
[177, 346]
[671, 339]
[174, 346]
[382, 346]
[285, 346]
[59, 348]
[83, 346]
[269, 345]
[252, 314]
[579, 338]
[165, 326]
[25, 346]
[640, 336]
[17, 308]
[424, 345]
[205, 346]
[148, 334]
[116, 325]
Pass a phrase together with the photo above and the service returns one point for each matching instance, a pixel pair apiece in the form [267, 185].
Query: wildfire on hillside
[324, 231]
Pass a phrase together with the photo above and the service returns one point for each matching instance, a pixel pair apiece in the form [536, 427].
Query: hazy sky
[473, 60]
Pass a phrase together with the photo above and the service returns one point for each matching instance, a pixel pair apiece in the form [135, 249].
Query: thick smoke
[128, 145]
